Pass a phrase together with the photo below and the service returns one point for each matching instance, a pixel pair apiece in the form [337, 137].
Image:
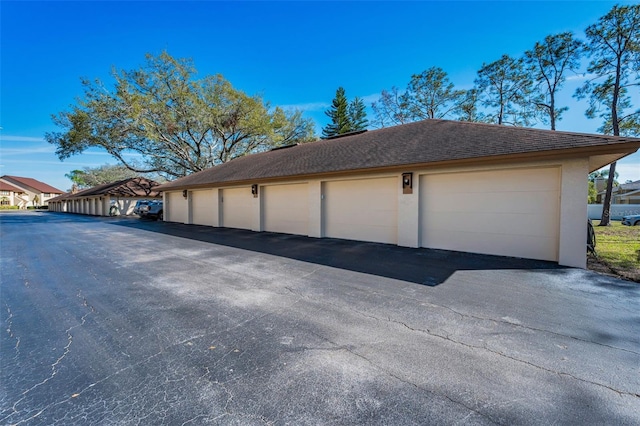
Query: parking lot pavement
[121, 321]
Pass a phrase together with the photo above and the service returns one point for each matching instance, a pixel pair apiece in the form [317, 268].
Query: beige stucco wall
[360, 196]
[409, 214]
[18, 199]
[573, 214]
[315, 208]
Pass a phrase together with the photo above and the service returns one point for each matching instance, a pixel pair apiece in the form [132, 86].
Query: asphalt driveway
[122, 321]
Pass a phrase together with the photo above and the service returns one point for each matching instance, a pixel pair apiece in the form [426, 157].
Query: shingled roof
[4, 186]
[419, 144]
[33, 183]
[132, 187]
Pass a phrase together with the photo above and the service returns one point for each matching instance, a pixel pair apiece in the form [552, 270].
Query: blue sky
[292, 53]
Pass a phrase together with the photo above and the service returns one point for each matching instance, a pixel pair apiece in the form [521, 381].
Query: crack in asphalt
[498, 321]
[128, 367]
[227, 410]
[54, 367]
[560, 373]
[403, 380]
[526, 327]
[502, 321]
[337, 347]
[10, 332]
[446, 337]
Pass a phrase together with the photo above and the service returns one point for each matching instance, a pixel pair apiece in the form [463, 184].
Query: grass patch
[618, 247]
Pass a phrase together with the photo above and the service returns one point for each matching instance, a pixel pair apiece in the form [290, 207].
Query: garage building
[439, 184]
[110, 199]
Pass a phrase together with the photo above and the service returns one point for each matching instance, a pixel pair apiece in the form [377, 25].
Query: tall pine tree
[613, 44]
[345, 117]
[358, 115]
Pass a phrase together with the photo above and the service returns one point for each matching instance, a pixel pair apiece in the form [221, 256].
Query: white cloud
[580, 77]
[27, 151]
[320, 106]
[310, 106]
[14, 138]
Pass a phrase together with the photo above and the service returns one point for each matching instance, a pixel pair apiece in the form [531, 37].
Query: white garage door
[506, 212]
[177, 209]
[236, 207]
[285, 208]
[202, 207]
[363, 210]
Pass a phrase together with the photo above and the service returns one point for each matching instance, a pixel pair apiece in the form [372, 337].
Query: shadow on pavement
[422, 266]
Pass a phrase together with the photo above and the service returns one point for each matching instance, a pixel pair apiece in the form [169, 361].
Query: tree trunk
[606, 205]
[552, 112]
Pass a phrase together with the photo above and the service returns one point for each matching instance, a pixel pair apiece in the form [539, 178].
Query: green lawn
[618, 246]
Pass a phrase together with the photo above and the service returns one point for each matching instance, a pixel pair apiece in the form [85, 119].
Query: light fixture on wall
[407, 183]
[184, 193]
[254, 190]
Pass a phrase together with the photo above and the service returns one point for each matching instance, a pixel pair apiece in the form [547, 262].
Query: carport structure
[99, 200]
[437, 184]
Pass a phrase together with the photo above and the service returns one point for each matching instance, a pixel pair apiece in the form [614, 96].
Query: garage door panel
[500, 182]
[378, 234]
[528, 180]
[493, 223]
[382, 216]
[495, 202]
[178, 211]
[364, 210]
[375, 218]
[501, 244]
[508, 212]
[203, 207]
[236, 207]
[286, 208]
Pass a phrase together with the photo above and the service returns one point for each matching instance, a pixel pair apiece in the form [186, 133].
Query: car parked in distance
[140, 203]
[152, 210]
[631, 220]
